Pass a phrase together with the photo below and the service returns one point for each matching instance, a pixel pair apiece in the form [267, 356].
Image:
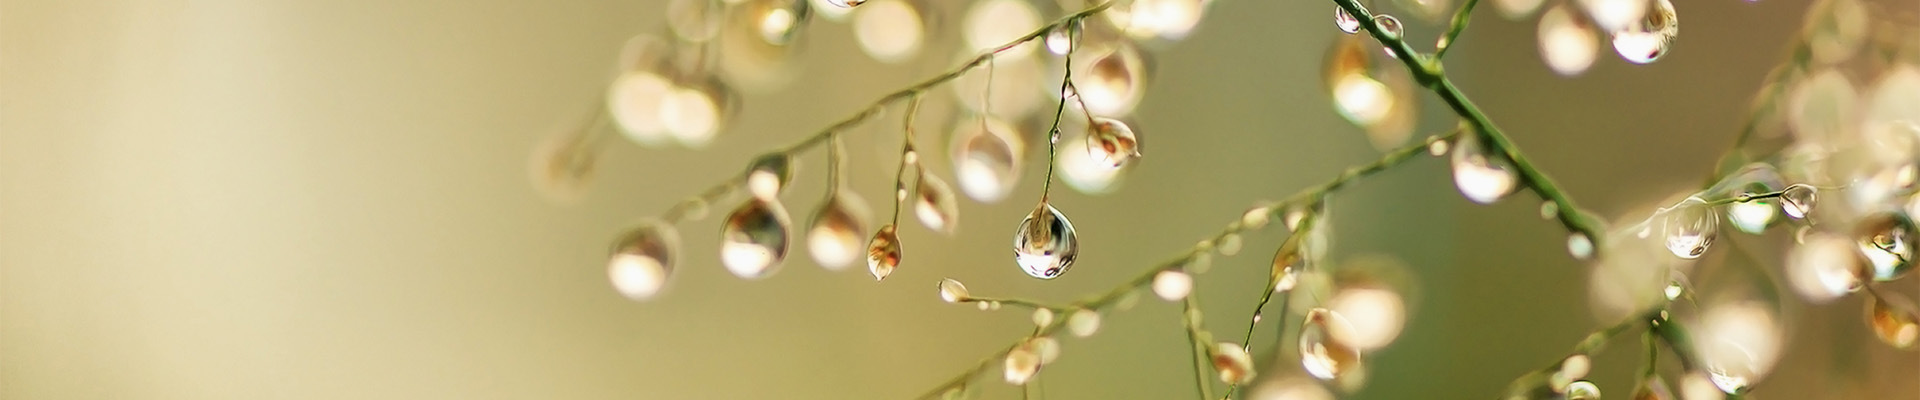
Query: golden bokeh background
[330, 199]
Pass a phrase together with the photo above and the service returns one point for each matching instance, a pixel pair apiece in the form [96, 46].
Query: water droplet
[1648, 39]
[1111, 141]
[1045, 244]
[1083, 322]
[1579, 246]
[1114, 79]
[642, 259]
[1172, 285]
[1825, 267]
[1576, 367]
[1389, 26]
[1437, 148]
[1201, 261]
[1042, 317]
[1549, 209]
[837, 227]
[768, 174]
[1737, 344]
[986, 159]
[934, 204]
[1751, 216]
[890, 31]
[1375, 313]
[1345, 21]
[1021, 363]
[1673, 290]
[1797, 200]
[695, 112]
[635, 101]
[1482, 176]
[1233, 363]
[952, 291]
[1256, 217]
[1583, 390]
[1047, 347]
[1567, 43]
[1697, 386]
[846, 3]
[1321, 354]
[883, 253]
[1613, 15]
[990, 24]
[1689, 227]
[1229, 245]
[1127, 300]
[753, 241]
[1895, 325]
[1060, 39]
[1886, 240]
[983, 305]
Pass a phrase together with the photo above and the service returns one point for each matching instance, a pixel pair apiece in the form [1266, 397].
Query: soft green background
[328, 199]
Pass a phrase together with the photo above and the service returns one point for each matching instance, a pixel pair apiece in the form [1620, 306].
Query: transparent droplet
[890, 31]
[1437, 148]
[952, 291]
[1021, 363]
[1575, 367]
[1321, 354]
[1375, 313]
[1228, 245]
[836, 230]
[1042, 317]
[1045, 244]
[1583, 390]
[1646, 40]
[753, 241]
[1060, 39]
[694, 113]
[642, 259]
[986, 159]
[636, 101]
[1202, 259]
[1080, 170]
[1567, 43]
[1112, 142]
[1886, 239]
[1737, 344]
[1673, 290]
[1232, 363]
[1047, 347]
[1172, 285]
[1895, 325]
[934, 203]
[1825, 267]
[883, 253]
[768, 174]
[1797, 200]
[1690, 227]
[1256, 217]
[1345, 21]
[1389, 26]
[1549, 209]
[1580, 246]
[1083, 322]
[1113, 79]
[1482, 176]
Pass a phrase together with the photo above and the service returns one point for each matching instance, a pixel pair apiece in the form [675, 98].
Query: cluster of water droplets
[1640, 31]
[1373, 92]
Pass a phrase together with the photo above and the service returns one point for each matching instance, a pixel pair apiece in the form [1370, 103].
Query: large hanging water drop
[1645, 41]
[1113, 142]
[1045, 245]
[934, 203]
[1322, 354]
[1886, 239]
[1797, 200]
[883, 252]
[753, 240]
[834, 238]
[1345, 20]
[986, 159]
[1690, 227]
[768, 174]
[642, 259]
[1233, 363]
[1482, 176]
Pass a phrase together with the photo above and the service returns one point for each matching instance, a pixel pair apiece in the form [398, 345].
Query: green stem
[1459, 24]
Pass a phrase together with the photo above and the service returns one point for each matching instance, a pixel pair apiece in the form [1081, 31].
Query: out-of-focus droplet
[1345, 21]
[1614, 15]
[1362, 99]
[1690, 227]
[1575, 367]
[1567, 43]
[1376, 315]
[1060, 40]
[890, 31]
[1021, 363]
[1112, 79]
[695, 112]
[695, 20]
[1645, 40]
[1836, 30]
[1583, 390]
[1228, 245]
[1886, 239]
[934, 203]
[1437, 148]
[1157, 19]
[1112, 141]
[1482, 176]
[1371, 92]
[1654, 388]
[1042, 317]
[1825, 267]
[1895, 324]
[1081, 171]
[991, 24]
[1256, 217]
[1628, 276]
[642, 259]
[1580, 246]
[1172, 285]
[1083, 322]
[1321, 352]
[836, 230]
[1516, 10]
[767, 175]
[1389, 26]
[1673, 290]
[1820, 109]
[986, 159]
[636, 97]
[1737, 344]
[1751, 216]
[1797, 200]
[1700, 386]
[753, 241]
[1232, 363]
[1549, 209]
[883, 252]
[778, 22]
[1047, 347]
[952, 291]
[1045, 244]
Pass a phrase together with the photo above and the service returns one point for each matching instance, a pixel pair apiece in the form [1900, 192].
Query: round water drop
[1583, 390]
[1437, 148]
[934, 203]
[1579, 246]
[1389, 26]
[986, 159]
[1482, 176]
[753, 240]
[1895, 325]
[1113, 82]
[836, 230]
[1233, 363]
[952, 291]
[642, 259]
[1060, 39]
[1797, 200]
[883, 253]
[1376, 314]
[1648, 39]
[1824, 267]
[1083, 322]
[768, 174]
[1229, 245]
[1567, 43]
[1021, 363]
[1689, 227]
[890, 31]
[1113, 142]
[1737, 344]
[636, 100]
[1172, 285]
[1886, 239]
[1751, 216]
[1045, 244]
[1321, 353]
[694, 114]
[1042, 317]
[1345, 21]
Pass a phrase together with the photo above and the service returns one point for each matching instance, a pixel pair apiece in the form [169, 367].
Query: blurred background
[332, 199]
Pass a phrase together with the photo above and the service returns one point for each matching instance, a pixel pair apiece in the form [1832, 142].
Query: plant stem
[1459, 24]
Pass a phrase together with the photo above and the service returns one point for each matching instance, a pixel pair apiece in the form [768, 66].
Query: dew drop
[952, 291]
[1673, 290]
[753, 241]
[1321, 354]
[1233, 363]
[1083, 322]
[1583, 390]
[1202, 260]
[1737, 344]
[1172, 285]
[834, 238]
[1576, 367]
[1112, 142]
[1045, 244]
[1114, 80]
[1648, 39]
[1825, 267]
[1549, 209]
[1751, 216]
[642, 259]
[1042, 317]
[1021, 363]
[695, 113]
[883, 253]
[1481, 176]
[1256, 217]
[934, 203]
[1047, 347]
[1228, 245]
[1376, 314]
[986, 159]
[1895, 325]
[1567, 43]
[1345, 21]
[890, 31]
[1060, 39]
[1886, 239]
[1797, 200]
[1579, 246]
[1689, 227]
[1389, 26]
[1437, 148]
[635, 101]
